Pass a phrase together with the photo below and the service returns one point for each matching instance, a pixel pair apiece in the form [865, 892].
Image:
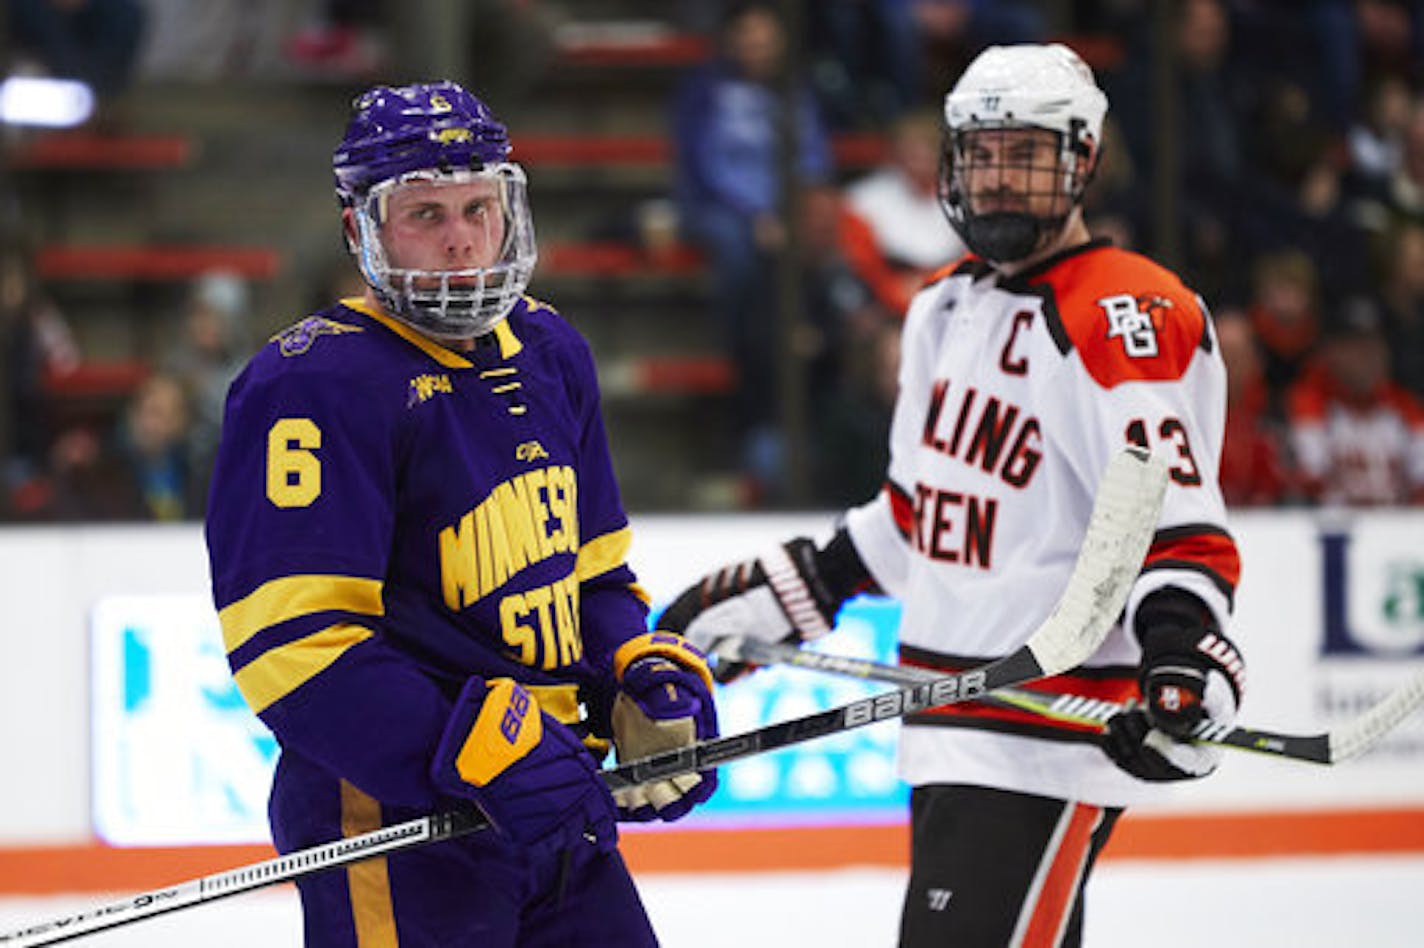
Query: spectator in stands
[1253, 470]
[868, 60]
[730, 200]
[213, 347]
[1376, 38]
[1207, 138]
[1112, 207]
[900, 203]
[1405, 197]
[1307, 210]
[850, 346]
[954, 31]
[214, 40]
[1376, 135]
[842, 310]
[852, 425]
[96, 41]
[141, 471]
[38, 346]
[341, 38]
[1401, 294]
[1358, 437]
[1284, 311]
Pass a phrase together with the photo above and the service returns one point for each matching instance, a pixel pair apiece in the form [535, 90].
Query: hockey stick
[1341, 743]
[1124, 517]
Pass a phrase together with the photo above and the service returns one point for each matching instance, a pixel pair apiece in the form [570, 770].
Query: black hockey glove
[1191, 674]
[788, 594]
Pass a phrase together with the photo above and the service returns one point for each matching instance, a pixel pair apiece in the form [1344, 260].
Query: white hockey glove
[1190, 673]
[791, 593]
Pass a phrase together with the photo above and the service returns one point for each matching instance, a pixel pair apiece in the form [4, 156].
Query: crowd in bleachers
[1294, 204]
[1292, 144]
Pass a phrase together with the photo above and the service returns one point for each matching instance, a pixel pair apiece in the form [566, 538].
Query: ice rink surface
[1303, 903]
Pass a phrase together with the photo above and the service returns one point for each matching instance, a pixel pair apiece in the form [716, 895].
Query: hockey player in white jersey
[1026, 365]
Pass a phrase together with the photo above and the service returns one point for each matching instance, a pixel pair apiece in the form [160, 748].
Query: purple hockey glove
[525, 770]
[664, 702]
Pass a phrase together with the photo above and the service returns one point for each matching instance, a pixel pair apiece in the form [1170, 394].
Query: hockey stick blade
[1364, 732]
[1120, 529]
[1348, 740]
[1124, 516]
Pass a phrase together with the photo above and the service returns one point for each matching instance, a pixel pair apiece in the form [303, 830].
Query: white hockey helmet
[1029, 86]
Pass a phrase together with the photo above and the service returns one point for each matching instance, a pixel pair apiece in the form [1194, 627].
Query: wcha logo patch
[425, 387]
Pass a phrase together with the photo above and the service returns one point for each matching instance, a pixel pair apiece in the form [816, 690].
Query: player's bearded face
[443, 226]
[1012, 170]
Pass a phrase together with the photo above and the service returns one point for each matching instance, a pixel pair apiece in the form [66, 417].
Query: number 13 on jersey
[1174, 433]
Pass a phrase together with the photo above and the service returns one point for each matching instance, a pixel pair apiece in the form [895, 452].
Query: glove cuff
[1174, 624]
[495, 724]
[1199, 648]
[798, 600]
[667, 645]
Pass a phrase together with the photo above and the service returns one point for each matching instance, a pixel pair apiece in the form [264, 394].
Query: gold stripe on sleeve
[369, 882]
[277, 601]
[637, 590]
[602, 554]
[276, 674]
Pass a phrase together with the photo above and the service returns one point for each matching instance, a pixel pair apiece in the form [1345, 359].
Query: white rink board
[50, 579]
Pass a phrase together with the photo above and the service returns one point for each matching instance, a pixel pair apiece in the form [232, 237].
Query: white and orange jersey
[1357, 451]
[1014, 393]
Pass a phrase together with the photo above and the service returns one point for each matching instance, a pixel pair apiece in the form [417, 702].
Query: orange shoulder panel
[1129, 318]
[949, 269]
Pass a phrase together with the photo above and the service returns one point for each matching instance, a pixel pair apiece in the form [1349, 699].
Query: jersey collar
[509, 344]
[1024, 277]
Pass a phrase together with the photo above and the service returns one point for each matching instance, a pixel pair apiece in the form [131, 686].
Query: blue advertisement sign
[847, 777]
[179, 759]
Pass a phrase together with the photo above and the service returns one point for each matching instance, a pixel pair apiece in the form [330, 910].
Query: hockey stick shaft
[1124, 516]
[1013, 669]
[1125, 513]
[1342, 743]
[940, 689]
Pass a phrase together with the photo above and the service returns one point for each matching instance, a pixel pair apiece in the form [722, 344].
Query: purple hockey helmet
[393, 131]
[433, 133]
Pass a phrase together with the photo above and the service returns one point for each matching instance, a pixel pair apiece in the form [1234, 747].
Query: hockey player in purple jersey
[419, 555]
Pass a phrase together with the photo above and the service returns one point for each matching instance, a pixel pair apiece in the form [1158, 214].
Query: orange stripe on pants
[1050, 900]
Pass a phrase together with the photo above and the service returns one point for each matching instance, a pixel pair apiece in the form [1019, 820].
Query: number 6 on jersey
[293, 471]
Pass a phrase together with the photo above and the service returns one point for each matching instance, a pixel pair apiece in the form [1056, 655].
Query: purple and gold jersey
[389, 518]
